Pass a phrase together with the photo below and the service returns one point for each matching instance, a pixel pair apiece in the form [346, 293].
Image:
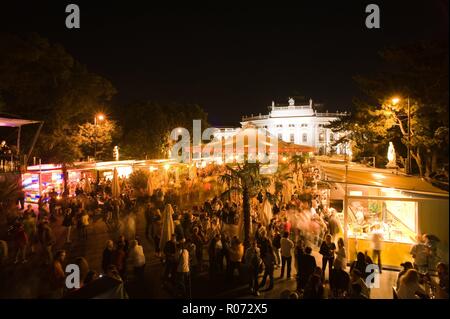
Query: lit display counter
[386, 212]
[398, 207]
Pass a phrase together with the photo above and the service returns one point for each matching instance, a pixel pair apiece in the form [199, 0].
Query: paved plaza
[29, 280]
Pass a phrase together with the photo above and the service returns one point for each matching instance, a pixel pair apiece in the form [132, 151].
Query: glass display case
[383, 211]
[394, 220]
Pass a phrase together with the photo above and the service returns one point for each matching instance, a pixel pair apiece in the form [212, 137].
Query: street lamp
[98, 118]
[395, 101]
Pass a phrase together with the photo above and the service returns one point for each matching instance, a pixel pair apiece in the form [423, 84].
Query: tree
[138, 181]
[146, 130]
[282, 175]
[91, 137]
[248, 181]
[41, 81]
[418, 72]
[61, 148]
[297, 162]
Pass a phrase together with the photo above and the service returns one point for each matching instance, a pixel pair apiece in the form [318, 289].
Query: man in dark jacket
[171, 262]
[148, 220]
[307, 265]
[47, 240]
[339, 281]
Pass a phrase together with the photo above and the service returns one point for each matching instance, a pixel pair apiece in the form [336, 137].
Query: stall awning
[11, 122]
[378, 178]
[251, 134]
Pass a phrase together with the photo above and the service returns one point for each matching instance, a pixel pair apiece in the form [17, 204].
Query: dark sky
[230, 59]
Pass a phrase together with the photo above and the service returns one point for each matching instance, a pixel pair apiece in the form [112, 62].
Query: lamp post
[98, 117]
[396, 100]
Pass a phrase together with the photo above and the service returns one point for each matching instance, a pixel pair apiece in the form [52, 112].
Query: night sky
[230, 59]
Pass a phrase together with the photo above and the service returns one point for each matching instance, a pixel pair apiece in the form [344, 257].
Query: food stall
[396, 206]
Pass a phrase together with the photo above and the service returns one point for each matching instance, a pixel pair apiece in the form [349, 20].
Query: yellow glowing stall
[395, 206]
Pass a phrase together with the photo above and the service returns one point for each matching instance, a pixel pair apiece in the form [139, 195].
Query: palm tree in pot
[246, 180]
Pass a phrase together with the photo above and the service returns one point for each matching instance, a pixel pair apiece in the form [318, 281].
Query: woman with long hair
[409, 286]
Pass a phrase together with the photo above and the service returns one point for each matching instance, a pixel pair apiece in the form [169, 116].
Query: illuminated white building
[298, 124]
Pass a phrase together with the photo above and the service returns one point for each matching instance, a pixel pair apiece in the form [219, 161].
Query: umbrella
[265, 214]
[287, 191]
[115, 185]
[168, 227]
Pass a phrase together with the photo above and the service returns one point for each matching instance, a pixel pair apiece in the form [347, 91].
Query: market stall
[398, 207]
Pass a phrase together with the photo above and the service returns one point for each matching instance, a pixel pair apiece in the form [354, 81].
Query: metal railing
[9, 165]
[255, 117]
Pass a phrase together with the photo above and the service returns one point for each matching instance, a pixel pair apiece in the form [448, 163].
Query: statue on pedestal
[392, 159]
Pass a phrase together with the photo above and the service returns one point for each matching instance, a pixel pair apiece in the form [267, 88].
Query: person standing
[67, 222]
[269, 260]
[148, 213]
[377, 238]
[307, 265]
[84, 218]
[57, 275]
[183, 270]
[253, 262]
[21, 240]
[286, 254]
[136, 260]
[29, 226]
[107, 257]
[156, 231]
[212, 254]
[21, 199]
[420, 253]
[327, 249]
[198, 240]
[236, 252]
[276, 243]
[47, 240]
[341, 254]
[119, 259]
[340, 281]
[170, 259]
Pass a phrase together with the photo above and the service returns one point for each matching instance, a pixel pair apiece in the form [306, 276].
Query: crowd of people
[209, 239]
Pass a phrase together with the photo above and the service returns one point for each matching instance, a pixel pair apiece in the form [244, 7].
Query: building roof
[386, 178]
[254, 135]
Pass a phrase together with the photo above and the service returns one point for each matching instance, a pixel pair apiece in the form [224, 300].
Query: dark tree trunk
[418, 160]
[434, 160]
[247, 221]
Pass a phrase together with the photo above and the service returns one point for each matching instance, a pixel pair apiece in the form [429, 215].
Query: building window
[331, 137]
[305, 138]
[304, 125]
[320, 125]
[279, 125]
[321, 137]
[265, 126]
[280, 136]
[292, 138]
[291, 125]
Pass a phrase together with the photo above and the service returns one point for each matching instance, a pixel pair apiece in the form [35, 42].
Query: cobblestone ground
[29, 280]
